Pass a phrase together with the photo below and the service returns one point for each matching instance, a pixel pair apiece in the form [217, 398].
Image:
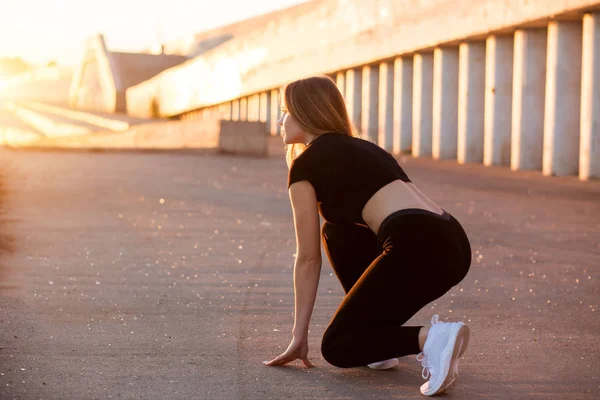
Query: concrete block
[243, 138]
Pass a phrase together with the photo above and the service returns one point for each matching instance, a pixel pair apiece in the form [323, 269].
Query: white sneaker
[383, 365]
[446, 342]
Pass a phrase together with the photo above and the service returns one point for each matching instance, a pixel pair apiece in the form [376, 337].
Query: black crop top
[345, 172]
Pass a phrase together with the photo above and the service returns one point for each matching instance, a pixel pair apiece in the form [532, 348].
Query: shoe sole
[456, 347]
[383, 365]
[462, 343]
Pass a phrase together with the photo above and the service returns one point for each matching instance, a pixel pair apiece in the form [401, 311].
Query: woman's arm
[306, 281]
[307, 269]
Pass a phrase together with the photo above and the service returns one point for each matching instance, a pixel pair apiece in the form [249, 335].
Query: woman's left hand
[298, 349]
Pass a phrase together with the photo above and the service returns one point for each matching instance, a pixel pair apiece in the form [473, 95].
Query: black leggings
[416, 258]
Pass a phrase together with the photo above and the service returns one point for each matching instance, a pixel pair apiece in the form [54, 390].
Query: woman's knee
[334, 353]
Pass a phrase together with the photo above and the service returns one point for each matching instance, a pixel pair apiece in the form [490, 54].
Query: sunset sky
[43, 30]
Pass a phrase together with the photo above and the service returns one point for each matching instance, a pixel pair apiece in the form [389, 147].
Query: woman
[392, 248]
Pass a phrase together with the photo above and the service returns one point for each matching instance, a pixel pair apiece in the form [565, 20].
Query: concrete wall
[506, 82]
[336, 35]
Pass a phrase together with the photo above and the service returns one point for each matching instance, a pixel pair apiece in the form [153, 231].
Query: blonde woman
[393, 249]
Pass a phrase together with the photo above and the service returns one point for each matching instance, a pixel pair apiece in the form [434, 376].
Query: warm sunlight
[48, 31]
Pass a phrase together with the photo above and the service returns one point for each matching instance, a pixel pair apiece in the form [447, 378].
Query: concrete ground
[169, 276]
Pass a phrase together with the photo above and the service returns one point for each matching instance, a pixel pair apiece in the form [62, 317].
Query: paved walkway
[168, 276]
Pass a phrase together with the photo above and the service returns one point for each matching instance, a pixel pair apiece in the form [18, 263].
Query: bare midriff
[395, 196]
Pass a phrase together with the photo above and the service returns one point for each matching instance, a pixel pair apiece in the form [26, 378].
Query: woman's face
[290, 130]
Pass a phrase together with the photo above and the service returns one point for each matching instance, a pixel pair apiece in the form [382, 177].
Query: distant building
[101, 79]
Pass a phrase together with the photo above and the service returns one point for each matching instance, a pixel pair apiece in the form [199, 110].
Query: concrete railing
[504, 82]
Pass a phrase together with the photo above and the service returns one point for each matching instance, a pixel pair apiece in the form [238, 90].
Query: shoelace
[427, 370]
[425, 363]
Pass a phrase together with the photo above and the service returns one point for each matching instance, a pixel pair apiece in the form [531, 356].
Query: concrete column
[256, 107]
[589, 158]
[563, 99]
[225, 111]
[264, 105]
[422, 104]
[275, 113]
[265, 110]
[386, 105]
[354, 95]
[403, 107]
[370, 102]
[471, 100]
[235, 110]
[251, 108]
[529, 87]
[254, 110]
[498, 100]
[340, 81]
[244, 109]
[444, 129]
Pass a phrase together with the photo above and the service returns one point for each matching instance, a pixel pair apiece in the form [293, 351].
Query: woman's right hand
[298, 349]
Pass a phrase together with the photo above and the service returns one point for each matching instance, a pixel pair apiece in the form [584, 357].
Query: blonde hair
[318, 107]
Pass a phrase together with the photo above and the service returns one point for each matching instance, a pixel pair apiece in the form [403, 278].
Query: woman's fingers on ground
[279, 360]
[307, 362]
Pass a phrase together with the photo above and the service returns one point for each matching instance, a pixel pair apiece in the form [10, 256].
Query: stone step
[15, 132]
[52, 125]
[105, 121]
